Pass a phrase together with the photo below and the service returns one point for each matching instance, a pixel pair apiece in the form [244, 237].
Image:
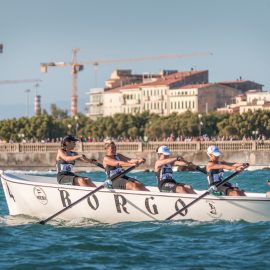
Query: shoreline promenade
[41, 156]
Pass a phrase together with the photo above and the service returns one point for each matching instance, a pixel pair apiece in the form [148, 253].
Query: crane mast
[74, 78]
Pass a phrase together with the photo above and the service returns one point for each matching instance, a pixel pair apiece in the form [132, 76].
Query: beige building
[252, 100]
[156, 96]
[256, 100]
[95, 105]
[112, 102]
[122, 77]
[169, 91]
[132, 99]
[200, 97]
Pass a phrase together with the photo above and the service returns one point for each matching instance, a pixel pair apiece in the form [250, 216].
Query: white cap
[213, 150]
[165, 150]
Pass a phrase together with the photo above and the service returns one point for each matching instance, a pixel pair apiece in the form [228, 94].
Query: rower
[215, 171]
[113, 163]
[164, 172]
[65, 161]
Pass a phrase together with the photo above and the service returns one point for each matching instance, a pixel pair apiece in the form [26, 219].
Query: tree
[58, 113]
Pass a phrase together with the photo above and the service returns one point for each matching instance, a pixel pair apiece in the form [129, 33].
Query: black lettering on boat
[182, 204]
[94, 207]
[65, 197]
[40, 195]
[120, 204]
[9, 193]
[154, 210]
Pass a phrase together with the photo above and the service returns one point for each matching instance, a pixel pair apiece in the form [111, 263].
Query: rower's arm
[133, 161]
[114, 162]
[162, 162]
[212, 166]
[62, 155]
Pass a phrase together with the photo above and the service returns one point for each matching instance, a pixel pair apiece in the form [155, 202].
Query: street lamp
[255, 133]
[21, 136]
[76, 124]
[69, 128]
[200, 124]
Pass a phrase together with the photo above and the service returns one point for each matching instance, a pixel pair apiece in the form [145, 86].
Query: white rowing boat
[42, 196]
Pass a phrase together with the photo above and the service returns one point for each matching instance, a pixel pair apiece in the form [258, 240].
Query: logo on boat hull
[40, 195]
[213, 212]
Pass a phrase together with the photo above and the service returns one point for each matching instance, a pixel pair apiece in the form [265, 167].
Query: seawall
[41, 157]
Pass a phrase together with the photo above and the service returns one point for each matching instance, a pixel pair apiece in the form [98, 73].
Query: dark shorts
[66, 178]
[120, 183]
[170, 186]
[226, 187]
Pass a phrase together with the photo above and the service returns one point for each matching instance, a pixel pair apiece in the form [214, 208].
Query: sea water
[81, 244]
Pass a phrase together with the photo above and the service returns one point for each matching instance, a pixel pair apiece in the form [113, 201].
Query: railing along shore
[139, 146]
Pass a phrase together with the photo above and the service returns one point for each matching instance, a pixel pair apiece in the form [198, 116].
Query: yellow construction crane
[78, 66]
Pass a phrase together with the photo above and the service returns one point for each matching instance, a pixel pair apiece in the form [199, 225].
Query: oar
[97, 164]
[88, 194]
[197, 168]
[207, 192]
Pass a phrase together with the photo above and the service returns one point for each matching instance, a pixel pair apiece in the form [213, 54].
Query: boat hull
[43, 199]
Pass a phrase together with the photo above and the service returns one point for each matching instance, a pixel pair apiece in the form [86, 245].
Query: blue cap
[165, 150]
[213, 150]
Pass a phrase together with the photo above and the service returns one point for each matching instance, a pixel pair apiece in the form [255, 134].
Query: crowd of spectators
[171, 138]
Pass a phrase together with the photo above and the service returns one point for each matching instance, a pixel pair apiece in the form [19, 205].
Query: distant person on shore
[268, 192]
[215, 171]
[164, 172]
[65, 161]
[113, 163]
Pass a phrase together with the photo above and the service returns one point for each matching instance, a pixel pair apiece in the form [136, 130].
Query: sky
[236, 32]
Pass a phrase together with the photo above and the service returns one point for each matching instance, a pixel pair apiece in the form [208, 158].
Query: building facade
[168, 92]
[95, 105]
[251, 101]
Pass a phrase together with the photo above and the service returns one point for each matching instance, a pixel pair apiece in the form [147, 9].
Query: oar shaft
[98, 164]
[197, 168]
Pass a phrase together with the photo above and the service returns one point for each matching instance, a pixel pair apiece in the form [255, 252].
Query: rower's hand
[83, 157]
[143, 160]
[92, 160]
[180, 158]
[212, 188]
[241, 167]
[140, 161]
